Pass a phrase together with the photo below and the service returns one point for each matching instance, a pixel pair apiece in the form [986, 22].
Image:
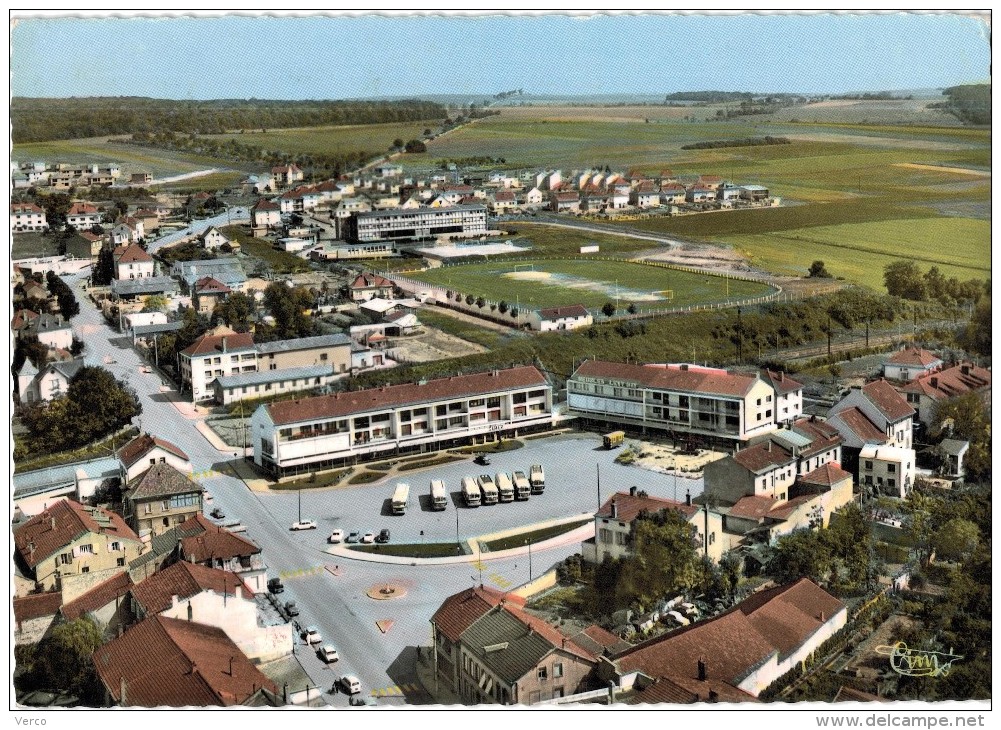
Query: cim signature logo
[917, 662]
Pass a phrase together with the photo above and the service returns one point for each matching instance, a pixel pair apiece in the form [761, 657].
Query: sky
[336, 57]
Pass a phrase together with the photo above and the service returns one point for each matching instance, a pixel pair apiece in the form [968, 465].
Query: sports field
[562, 282]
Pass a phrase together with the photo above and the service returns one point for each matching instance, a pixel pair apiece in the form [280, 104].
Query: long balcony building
[297, 436]
[416, 223]
[685, 400]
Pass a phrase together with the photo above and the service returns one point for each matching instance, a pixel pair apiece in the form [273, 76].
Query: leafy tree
[819, 271]
[957, 539]
[664, 560]
[397, 143]
[289, 307]
[56, 207]
[514, 313]
[470, 299]
[416, 146]
[236, 311]
[977, 336]
[800, 553]
[936, 285]
[631, 308]
[68, 305]
[481, 302]
[99, 404]
[63, 660]
[155, 303]
[502, 307]
[77, 347]
[28, 347]
[608, 309]
[903, 279]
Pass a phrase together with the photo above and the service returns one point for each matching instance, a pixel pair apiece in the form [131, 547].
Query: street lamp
[529, 543]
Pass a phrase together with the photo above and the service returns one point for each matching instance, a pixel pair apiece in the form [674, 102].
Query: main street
[337, 604]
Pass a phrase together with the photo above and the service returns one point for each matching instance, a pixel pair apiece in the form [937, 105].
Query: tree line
[39, 120]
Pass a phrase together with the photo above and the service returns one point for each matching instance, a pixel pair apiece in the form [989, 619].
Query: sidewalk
[439, 693]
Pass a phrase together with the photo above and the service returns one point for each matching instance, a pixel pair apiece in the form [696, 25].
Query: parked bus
[439, 498]
[522, 487]
[487, 488]
[470, 492]
[401, 498]
[613, 439]
[505, 488]
[537, 478]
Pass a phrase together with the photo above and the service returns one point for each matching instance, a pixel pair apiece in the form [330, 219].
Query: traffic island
[386, 591]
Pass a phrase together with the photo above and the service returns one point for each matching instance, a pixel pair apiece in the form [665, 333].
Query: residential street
[338, 604]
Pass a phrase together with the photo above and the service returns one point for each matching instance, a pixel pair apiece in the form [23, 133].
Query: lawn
[858, 252]
[282, 262]
[413, 550]
[463, 329]
[524, 538]
[31, 244]
[556, 240]
[589, 282]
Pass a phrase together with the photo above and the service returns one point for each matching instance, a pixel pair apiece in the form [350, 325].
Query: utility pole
[598, 467]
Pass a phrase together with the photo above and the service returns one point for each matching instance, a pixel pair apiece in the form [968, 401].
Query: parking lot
[573, 464]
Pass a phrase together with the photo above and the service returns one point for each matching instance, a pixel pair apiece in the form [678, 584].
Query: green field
[959, 247]
[331, 140]
[588, 282]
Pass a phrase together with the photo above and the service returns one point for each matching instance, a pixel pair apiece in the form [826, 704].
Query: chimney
[702, 669]
[632, 491]
[934, 382]
[615, 509]
[688, 497]
[121, 692]
[965, 369]
[53, 523]
[769, 446]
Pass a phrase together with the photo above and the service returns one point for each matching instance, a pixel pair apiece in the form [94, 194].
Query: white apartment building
[27, 217]
[297, 436]
[83, 216]
[890, 469]
[217, 353]
[678, 398]
[397, 223]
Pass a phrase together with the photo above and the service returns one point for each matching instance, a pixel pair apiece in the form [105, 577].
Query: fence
[447, 297]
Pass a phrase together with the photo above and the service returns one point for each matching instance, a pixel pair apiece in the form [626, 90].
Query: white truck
[401, 498]
[487, 488]
[439, 498]
[522, 487]
[470, 492]
[505, 489]
[537, 478]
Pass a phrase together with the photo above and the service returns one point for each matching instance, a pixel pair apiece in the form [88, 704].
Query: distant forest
[42, 120]
[970, 103]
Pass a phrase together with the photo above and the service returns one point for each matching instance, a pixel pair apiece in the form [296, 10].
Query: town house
[160, 498]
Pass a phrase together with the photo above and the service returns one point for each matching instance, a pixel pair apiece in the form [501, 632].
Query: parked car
[312, 635]
[328, 653]
[383, 536]
[146, 369]
[482, 460]
[350, 684]
[275, 585]
[368, 537]
[291, 609]
[218, 513]
[304, 525]
[336, 536]
[353, 536]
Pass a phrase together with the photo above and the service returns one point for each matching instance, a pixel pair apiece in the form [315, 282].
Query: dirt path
[485, 323]
[940, 168]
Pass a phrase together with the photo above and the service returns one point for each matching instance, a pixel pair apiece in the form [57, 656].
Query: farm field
[376, 138]
[959, 247]
[553, 240]
[534, 283]
[161, 163]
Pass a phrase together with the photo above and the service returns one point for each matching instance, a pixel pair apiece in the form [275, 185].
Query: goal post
[668, 294]
[523, 267]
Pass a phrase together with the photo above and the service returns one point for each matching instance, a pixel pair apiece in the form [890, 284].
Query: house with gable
[550, 319]
[909, 363]
[211, 239]
[874, 414]
[146, 450]
[733, 656]
[489, 650]
[207, 293]
[27, 217]
[369, 286]
[83, 216]
[160, 498]
[925, 392]
[69, 539]
[132, 262]
[52, 330]
[53, 381]
[202, 542]
[264, 216]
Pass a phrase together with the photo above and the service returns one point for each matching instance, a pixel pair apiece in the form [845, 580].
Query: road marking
[385, 624]
[394, 690]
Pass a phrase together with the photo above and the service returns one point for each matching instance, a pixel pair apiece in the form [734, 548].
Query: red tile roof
[628, 506]
[461, 610]
[266, 205]
[360, 401]
[598, 641]
[781, 382]
[763, 456]
[132, 254]
[37, 605]
[913, 356]
[98, 597]
[82, 209]
[504, 196]
[782, 511]
[210, 344]
[826, 475]
[213, 542]
[16, 208]
[63, 523]
[22, 318]
[688, 378]
[165, 662]
[370, 281]
[859, 424]
[823, 436]
[677, 689]
[573, 310]
[184, 580]
[754, 507]
[889, 402]
[208, 285]
[734, 643]
[142, 444]
[951, 382]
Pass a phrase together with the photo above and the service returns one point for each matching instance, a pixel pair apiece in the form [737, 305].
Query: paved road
[233, 215]
[337, 604]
